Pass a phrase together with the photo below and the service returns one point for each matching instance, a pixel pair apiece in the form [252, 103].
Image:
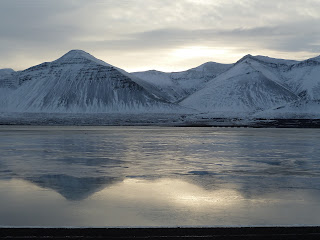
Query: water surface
[158, 176]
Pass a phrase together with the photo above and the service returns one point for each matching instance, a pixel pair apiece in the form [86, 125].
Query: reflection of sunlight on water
[163, 202]
[172, 192]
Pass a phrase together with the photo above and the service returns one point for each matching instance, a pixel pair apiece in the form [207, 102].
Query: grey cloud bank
[138, 35]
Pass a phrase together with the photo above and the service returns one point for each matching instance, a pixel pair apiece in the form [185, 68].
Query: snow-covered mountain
[258, 83]
[245, 88]
[302, 78]
[78, 82]
[177, 85]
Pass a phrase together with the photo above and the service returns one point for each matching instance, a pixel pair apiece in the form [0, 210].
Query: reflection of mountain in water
[78, 163]
[73, 163]
[73, 188]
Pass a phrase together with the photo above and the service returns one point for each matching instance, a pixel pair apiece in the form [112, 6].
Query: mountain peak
[215, 67]
[209, 64]
[77, 56]
[77, 52]
[244, 58]
[248, 56]
[73, 54]
[267, 60]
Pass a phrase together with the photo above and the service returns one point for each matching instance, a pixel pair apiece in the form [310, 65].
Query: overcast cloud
[157, 34]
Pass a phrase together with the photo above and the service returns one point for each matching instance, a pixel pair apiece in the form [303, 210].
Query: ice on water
[155, 176]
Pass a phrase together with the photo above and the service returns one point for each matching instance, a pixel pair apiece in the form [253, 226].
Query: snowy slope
[177, 85]
[7, 78]
[243, 89]
[300, 109]
[78, 82]
[272, 68]
[304, 78]
[7, 84]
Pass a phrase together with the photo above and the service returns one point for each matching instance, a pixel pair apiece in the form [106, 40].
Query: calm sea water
[157, 176]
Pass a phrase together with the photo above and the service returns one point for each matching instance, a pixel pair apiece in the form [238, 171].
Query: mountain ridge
[78, 82]
[177, 85]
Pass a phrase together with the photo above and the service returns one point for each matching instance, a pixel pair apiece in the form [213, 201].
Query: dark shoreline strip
[304, 233]
[213, 122]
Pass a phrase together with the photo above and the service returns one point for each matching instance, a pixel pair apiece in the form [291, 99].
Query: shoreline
[214, 122]
[156, 119]
[164, 233]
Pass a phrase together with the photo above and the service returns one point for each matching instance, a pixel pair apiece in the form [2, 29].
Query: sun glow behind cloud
[197, 51]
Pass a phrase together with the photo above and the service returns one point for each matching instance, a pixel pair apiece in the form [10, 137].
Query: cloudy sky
[157, 34]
